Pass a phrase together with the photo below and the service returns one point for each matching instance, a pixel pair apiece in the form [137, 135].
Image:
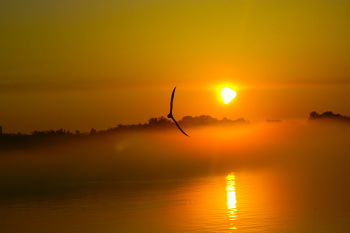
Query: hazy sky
[78, 64]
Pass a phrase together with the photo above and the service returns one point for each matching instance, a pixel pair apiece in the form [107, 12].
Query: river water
[275, 179]
[259, 201]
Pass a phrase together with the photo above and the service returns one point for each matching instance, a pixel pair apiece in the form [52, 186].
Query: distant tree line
[208, 120]
[154, 123]
[330, 116]
[49, 137]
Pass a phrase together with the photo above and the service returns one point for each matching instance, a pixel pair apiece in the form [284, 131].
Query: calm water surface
[256, 201]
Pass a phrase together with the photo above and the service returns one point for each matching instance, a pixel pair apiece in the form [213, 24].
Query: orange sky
[82, 64]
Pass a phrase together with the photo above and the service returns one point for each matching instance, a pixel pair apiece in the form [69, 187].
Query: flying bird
[170, 115]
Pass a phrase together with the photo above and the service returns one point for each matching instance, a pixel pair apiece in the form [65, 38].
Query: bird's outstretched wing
[170, 115]
[179, 127]
[171, 102]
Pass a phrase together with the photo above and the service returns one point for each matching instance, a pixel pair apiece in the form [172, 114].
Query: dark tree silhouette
[313, 115]
[93, 131]
[38, 139]
[328, 115]
[208, 120]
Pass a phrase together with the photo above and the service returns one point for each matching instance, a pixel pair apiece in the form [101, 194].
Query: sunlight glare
[227, 94]
[231, 198]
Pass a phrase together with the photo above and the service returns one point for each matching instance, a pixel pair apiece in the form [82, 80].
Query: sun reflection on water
[231, 199]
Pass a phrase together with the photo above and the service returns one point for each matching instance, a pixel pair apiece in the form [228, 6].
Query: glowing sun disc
[227, 94]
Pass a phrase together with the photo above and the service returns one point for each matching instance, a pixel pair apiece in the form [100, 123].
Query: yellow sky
[82, 64]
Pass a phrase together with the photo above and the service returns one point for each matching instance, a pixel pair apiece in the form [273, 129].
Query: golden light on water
[227, 94]
[231, 199]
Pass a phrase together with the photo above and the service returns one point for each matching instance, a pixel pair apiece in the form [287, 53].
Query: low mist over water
[306, 166]
[160, 155]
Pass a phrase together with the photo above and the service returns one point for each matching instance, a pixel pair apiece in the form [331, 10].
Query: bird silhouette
[170, 115]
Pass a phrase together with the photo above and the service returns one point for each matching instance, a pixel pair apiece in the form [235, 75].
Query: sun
[227, 94]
